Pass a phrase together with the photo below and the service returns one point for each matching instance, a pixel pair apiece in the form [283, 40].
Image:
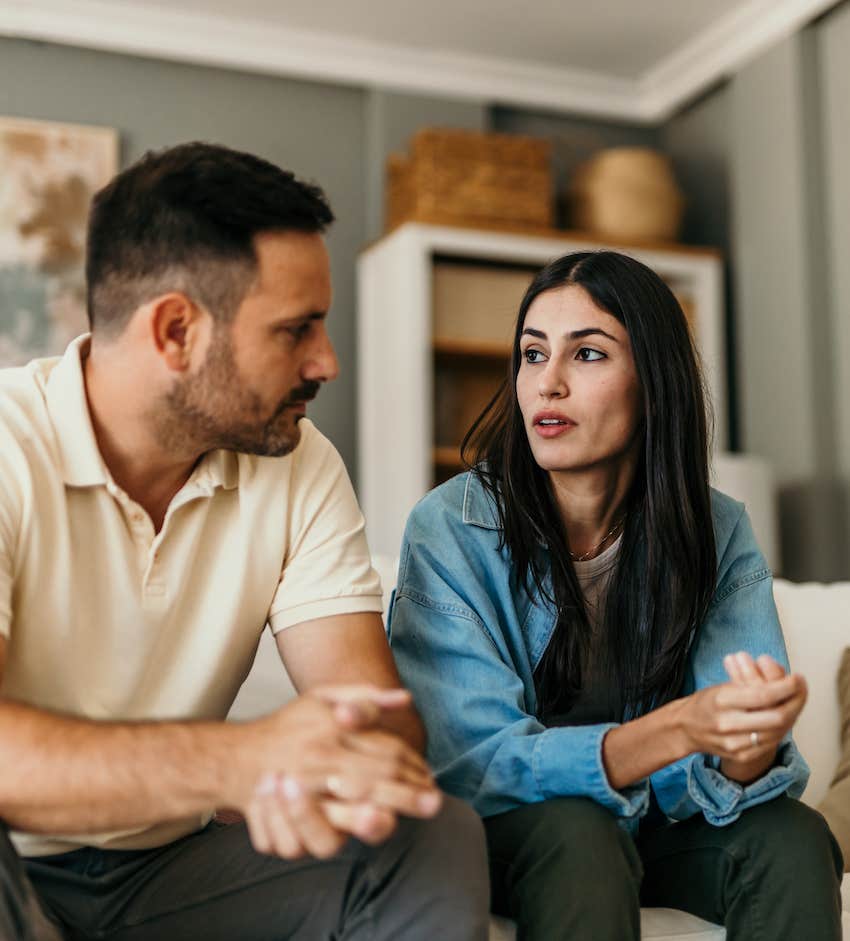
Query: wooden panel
[460, 395]
[475, 302]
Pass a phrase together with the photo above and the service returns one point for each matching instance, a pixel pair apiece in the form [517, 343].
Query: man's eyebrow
[574, 335]
[301, 318]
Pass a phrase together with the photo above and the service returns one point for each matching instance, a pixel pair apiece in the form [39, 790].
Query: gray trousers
[429, 880]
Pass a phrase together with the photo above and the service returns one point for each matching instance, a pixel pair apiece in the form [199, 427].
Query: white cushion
[816, 623]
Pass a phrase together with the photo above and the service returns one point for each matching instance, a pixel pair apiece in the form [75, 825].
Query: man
[161, 498]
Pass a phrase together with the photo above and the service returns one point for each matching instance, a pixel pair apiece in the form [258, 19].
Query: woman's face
[577, 385]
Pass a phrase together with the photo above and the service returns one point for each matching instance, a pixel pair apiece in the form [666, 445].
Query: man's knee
[453, 840]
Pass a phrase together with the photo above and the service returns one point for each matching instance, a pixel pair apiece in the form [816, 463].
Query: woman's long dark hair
[665, 576]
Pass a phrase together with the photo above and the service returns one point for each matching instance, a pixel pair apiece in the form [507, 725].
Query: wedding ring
[754, 739]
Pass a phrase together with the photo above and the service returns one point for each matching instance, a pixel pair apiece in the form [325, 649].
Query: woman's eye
[533, 356]
[587, 355]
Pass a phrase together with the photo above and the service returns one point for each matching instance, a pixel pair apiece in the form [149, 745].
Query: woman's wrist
[677, 729]
[638, 748]
[745, 772]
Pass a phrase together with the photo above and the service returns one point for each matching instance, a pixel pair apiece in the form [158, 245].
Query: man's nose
[322, 365]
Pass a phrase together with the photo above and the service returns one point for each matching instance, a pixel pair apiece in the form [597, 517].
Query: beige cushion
[836, 805]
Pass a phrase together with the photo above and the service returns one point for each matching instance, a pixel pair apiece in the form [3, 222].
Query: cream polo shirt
[106, 619]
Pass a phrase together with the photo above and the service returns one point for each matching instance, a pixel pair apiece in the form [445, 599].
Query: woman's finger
[747, 666]
[730, 664]
[770, 669]
[757, 695]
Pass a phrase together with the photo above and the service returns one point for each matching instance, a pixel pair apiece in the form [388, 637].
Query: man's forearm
[62, 774]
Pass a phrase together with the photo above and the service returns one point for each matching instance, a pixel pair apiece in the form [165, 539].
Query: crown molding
[719, 51]
[253, 46]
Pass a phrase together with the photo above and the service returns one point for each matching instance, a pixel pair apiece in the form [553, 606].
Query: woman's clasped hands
[744, 721]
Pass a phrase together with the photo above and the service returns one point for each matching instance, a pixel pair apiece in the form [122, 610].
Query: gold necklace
[586, 555]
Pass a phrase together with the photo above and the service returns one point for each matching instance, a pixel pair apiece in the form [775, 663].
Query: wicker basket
[627, 194]
[469, 178]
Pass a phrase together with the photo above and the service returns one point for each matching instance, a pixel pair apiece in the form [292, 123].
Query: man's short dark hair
[184, 219]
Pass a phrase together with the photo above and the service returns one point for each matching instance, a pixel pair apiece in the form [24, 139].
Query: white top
[107, 619]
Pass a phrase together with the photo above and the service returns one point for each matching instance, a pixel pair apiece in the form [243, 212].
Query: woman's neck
[592, 504]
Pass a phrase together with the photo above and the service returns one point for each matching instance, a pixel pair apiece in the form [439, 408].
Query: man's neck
[135, 460]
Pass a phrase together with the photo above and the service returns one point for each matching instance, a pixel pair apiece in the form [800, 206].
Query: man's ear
[176, 325]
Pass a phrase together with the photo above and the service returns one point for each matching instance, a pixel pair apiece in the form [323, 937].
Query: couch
[816, 621]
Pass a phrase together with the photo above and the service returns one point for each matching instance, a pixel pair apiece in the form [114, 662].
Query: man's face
[262, 368]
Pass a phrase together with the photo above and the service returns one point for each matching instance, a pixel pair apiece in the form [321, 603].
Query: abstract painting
[48, 174]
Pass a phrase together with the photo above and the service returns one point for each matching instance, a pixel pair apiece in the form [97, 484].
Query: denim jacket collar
[478, 506]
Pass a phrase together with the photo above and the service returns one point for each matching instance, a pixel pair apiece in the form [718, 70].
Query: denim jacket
[467, 645]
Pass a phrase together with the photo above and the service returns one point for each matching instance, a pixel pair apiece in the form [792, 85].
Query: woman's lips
[553, 430]
[550, 424]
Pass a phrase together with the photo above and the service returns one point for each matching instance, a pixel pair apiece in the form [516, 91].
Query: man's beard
[214, 410]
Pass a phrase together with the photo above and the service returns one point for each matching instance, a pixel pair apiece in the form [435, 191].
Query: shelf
[589, 238]
[471, 348]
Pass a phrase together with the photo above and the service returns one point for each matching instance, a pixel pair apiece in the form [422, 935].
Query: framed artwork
[48, 174]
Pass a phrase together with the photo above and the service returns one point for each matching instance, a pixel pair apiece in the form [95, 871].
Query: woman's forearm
[636, 749]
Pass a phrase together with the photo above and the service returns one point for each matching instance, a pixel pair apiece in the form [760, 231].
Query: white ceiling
[632, 59]
[620, 37]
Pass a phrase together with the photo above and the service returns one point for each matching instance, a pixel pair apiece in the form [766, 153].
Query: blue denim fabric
[467, 645]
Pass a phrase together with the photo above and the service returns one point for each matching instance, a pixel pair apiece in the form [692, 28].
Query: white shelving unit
[396, 349]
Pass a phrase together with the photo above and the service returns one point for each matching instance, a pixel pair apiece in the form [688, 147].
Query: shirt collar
[478, 506]
[82, 463]
[67, 406]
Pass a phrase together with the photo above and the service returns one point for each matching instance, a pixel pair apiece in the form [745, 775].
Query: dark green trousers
[564, 869]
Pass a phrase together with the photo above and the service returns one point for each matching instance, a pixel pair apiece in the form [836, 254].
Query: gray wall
[316, 130]
[762, 160]
[766, 157]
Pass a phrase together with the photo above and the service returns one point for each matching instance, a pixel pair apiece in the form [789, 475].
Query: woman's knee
[566, 840]
[781, 824]
[565, 868]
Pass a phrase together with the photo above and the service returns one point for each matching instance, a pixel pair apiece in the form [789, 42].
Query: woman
[590, 634]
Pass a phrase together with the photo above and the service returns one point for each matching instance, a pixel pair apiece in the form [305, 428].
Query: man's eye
[587, 355]
[300, 331]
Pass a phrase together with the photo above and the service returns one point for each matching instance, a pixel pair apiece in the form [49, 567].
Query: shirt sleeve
[327, 569]
[482, 742]
[10, 525]
[742, 616]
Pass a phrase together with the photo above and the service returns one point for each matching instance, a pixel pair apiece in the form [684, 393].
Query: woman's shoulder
[726, 513]
[461, 502]
[738, 552]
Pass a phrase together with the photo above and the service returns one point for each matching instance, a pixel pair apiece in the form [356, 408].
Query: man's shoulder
[23, 404]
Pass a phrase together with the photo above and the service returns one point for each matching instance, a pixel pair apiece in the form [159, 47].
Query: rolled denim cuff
[567, 762]
[722, 801]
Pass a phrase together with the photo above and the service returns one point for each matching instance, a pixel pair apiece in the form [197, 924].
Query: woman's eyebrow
[573, 335]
